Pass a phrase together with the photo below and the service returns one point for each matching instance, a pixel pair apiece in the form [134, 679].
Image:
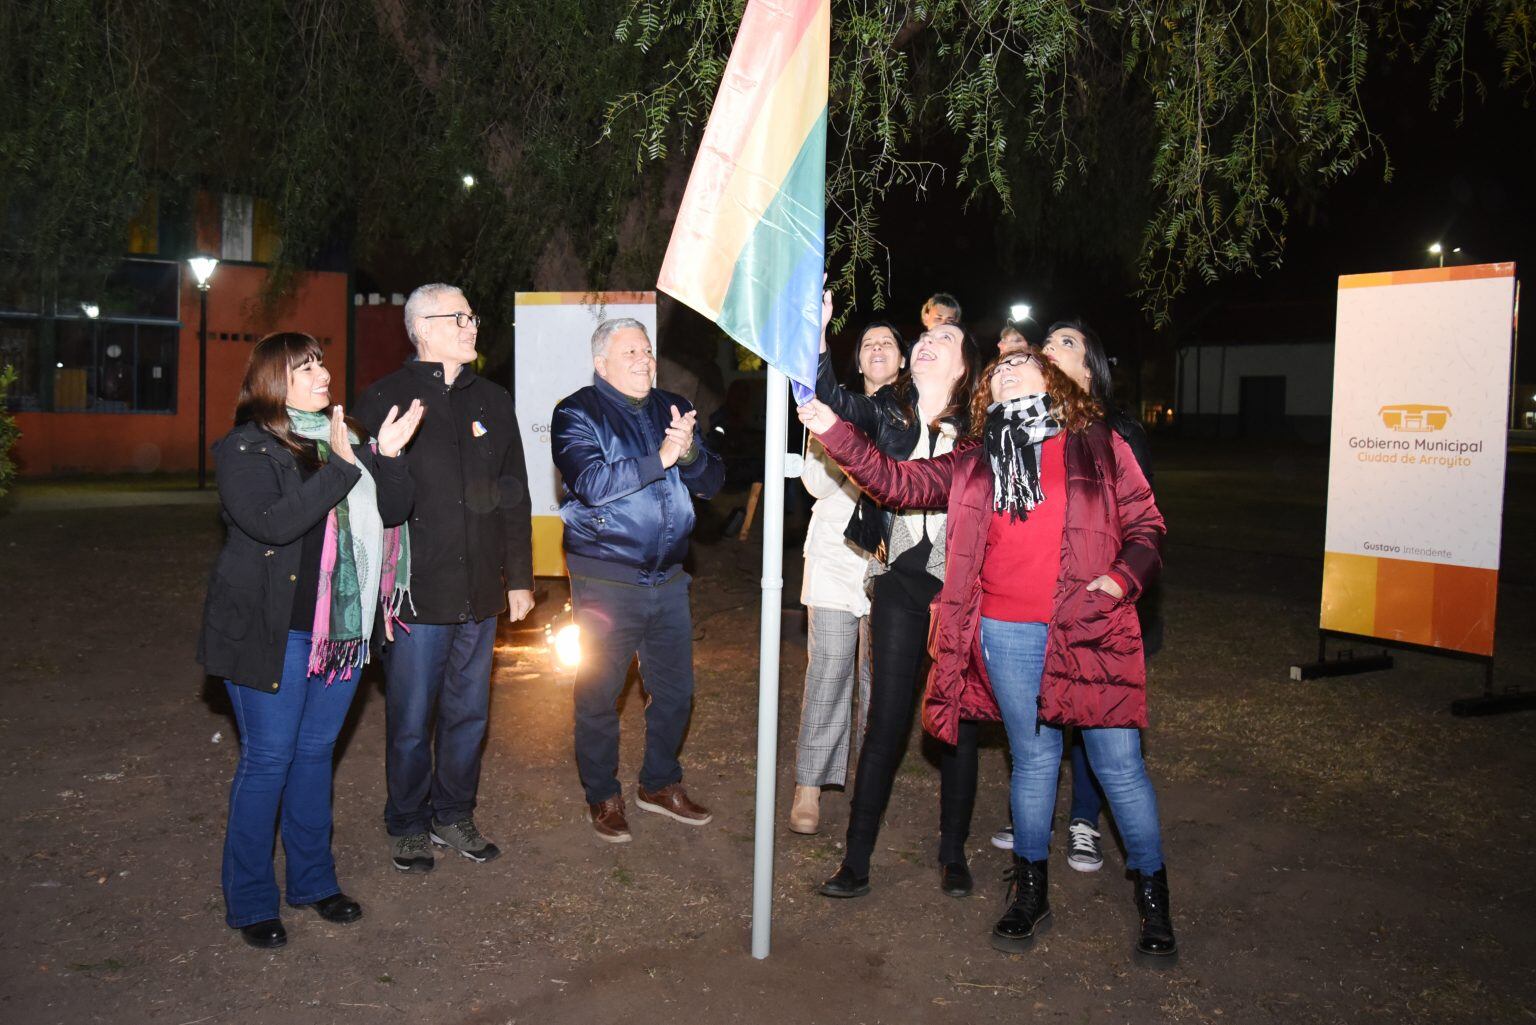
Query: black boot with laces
[1029, 907]
[1155, 945]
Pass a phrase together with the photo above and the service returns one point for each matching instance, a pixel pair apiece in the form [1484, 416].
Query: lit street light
[1018, 312]
[91, 310]
[469, 182]
[1438, 250]
[202, 273]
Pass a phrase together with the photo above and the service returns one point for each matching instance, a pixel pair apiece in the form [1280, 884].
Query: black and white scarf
[1016, 428]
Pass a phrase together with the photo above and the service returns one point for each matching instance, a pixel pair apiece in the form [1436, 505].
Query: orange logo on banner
[1415, 417]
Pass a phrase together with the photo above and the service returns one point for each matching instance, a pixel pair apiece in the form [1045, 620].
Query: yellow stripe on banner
[1349, 593]
[718, 226]
[548, 546]
[585, 298]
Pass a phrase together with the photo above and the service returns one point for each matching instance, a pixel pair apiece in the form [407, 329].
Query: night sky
[1464, 185]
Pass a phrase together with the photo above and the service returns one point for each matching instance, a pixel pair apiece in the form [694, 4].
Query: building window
[123, 360]
[90, 366]
[19, 350]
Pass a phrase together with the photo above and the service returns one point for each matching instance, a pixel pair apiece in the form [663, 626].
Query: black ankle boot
[1155, 946]
[845, 883]
[1029, 907]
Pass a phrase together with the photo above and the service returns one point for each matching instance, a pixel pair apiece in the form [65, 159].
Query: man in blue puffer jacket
[631, 457]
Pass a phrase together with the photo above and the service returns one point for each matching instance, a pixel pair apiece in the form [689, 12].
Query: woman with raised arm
[1052, 534]
[918, 417]
[836, 605]
[307, 565]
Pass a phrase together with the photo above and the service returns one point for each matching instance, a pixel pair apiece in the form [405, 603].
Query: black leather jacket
[882, 419]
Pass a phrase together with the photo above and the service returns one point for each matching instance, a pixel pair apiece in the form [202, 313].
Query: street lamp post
[202, 271]
[1438, 251]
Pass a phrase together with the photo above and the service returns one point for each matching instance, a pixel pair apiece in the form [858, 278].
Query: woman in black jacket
[290, 612]
[1075, 347]
[920, 416]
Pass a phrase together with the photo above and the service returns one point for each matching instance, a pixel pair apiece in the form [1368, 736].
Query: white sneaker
[1083, 851]
[1003, 838]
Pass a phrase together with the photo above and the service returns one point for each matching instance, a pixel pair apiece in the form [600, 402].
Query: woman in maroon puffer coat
[1051, 535]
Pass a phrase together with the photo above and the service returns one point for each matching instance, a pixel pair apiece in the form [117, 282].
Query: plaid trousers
[837, 645]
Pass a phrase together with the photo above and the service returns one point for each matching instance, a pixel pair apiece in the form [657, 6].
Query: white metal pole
[768, 659]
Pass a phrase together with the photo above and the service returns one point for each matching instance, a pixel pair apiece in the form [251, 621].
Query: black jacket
[883, 421]
[268, 508]
[471, 531]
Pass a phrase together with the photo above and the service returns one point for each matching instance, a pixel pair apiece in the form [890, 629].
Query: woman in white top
[837, 605]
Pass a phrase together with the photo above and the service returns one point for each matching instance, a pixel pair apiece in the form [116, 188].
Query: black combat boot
[1155, 946]
[1029, 907]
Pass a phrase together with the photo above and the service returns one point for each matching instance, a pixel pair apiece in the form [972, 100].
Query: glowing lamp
[202, 270]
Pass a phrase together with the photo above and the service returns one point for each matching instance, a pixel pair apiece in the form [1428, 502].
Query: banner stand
[1348, 662]
[1416, 471]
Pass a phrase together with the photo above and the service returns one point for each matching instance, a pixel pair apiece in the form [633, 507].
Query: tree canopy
[1180, 132]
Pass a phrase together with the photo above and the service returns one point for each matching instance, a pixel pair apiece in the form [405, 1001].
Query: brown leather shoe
[672, 801]
[608, 820]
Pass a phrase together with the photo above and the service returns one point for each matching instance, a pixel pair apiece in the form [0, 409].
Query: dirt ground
[1339, 851]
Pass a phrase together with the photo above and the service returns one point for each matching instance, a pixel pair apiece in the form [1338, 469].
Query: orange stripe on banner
[1405, 601]
[585, 298]
[1349, 593]
[1465, 600]
[1428, 275]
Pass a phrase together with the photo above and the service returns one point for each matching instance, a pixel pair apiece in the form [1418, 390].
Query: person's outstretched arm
[896, 484]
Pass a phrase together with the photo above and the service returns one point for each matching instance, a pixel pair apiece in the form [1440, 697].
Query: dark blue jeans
[617, 622]
[437, 687]
[1087, 796]
[287, 740]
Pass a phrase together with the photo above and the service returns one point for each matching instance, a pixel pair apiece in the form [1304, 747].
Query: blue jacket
[626, 518]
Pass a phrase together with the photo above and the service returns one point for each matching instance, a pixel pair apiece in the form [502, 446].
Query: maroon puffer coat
[1094, 671]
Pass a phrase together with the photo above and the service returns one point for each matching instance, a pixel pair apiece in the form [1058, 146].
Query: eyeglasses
[461, 319]
[1022, 359]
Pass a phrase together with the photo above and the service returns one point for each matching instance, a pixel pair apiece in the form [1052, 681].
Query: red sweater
[1023, 560]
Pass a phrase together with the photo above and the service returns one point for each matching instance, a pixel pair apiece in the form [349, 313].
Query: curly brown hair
[1074, 407]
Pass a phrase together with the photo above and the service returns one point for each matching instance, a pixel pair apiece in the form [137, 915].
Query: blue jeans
[437, 687]
[287, 740]
[1087, 798]
[617, 622]
[1015, 659]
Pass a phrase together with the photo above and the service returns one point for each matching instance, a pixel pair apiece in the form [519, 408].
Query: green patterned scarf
[361, 565]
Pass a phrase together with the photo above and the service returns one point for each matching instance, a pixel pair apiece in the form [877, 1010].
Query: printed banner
[1416, 464]
[553, 358]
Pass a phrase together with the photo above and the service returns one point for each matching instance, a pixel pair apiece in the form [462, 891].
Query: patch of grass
[111, 964]
[623, 877]
[42, 665]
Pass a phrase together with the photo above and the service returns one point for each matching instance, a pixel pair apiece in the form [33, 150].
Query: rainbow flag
[748, 250]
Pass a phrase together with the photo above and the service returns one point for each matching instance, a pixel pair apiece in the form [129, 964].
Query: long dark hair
[1101, 375]
[1073, 406]
[959, 407]
[264, 390]
[855, 376]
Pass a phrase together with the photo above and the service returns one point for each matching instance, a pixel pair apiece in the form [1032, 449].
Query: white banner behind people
[1416, 463]
[553, 358]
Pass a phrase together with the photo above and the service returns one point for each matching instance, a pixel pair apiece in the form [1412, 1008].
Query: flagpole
[768, 658]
